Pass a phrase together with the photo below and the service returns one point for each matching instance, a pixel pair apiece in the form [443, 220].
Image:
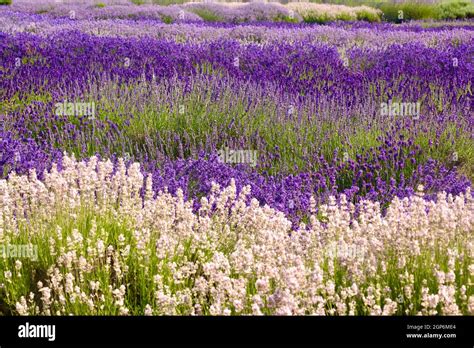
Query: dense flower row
[360, 179]
[341, 35]
[378, 166]
[224, 96]
[174, 13]
[104, 248]
[22, 155]
[413, 72]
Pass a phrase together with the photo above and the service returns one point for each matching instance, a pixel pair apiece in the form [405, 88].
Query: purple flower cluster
[245, 12]
[22, 155]
[373, 175]
[90, 12]
[330, 88]
[412, 72]
[392, 170]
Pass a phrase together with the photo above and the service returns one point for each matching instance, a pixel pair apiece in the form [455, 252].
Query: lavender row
[415, 72]
[354, 34]
[366, 177]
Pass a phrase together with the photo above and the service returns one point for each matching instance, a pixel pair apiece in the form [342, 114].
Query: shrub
[207, 15]
[167, 19]
[322, 13]
[100, 5]
[408, 10]
[345, 16]
[5, 2]
[168, 2]
[456, 9]
[289, 19]
[368, 14]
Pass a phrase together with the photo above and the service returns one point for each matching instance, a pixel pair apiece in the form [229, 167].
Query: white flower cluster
[108, 245]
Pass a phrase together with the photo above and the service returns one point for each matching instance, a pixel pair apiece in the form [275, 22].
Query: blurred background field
[412, 9]
[313, 11]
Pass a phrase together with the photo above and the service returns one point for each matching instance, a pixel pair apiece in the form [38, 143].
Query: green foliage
[5, 2]
[169, 2]
[283, 18]
[100, 5]
[343, 16]
[407, 11]
[319, 18]
[206, 15]
[368, 16]
[456, 9]
[167, 19]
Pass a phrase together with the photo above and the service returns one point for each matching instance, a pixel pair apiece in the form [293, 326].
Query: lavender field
[226, 159]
